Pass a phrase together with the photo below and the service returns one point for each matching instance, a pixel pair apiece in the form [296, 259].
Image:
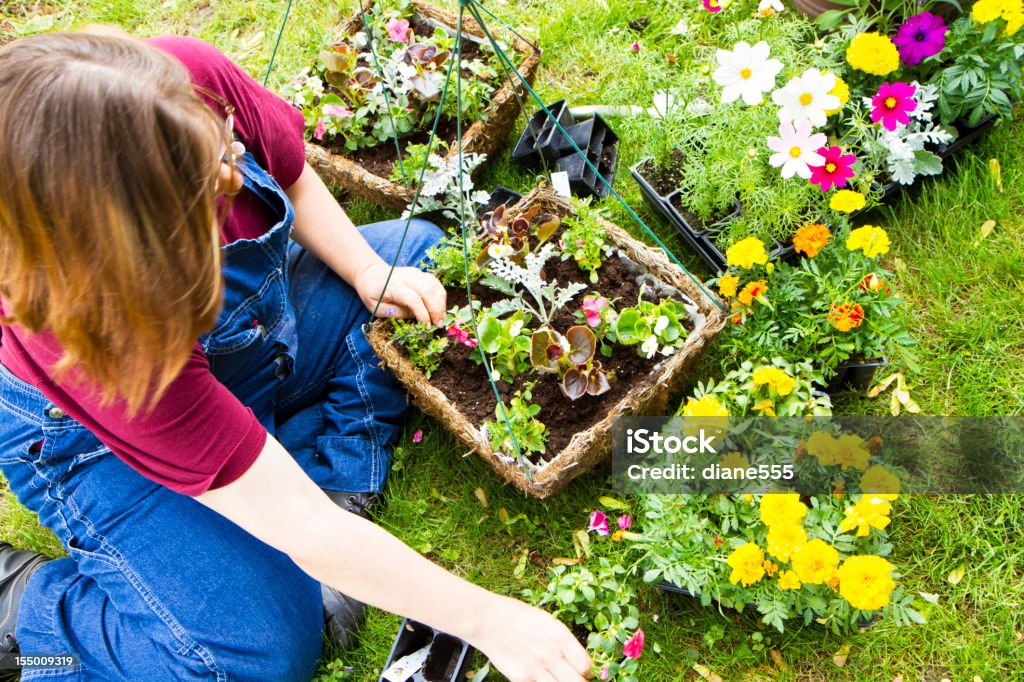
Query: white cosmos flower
[500, 251]
[807, 98]
[766, 5]
[746, 72]
[649, 347]
[796, 149]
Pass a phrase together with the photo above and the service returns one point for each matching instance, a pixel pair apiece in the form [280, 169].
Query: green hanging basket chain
[473, 5]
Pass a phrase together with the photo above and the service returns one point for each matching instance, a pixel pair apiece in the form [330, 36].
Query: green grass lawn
[965, 305]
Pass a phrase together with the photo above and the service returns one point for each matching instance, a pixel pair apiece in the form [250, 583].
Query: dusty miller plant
[527, 286]
[442, 190]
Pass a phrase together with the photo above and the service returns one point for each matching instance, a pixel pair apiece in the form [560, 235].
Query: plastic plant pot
[654, 201]
[447, 660]
[855, 376]
[535, 144]
[968, 134]
[500, 195]
[595, 138]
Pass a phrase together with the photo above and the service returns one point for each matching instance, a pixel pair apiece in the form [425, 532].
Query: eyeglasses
[236, 148]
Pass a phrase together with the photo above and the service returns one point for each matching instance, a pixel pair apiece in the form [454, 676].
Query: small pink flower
[337, 111]
[598, 522]
[605, 672]
[634, 646]
[398, 30]
[321, 128]
[461, 335]
[635, 47]
[592, 308]
[624, 521]
[893, 104]
[417, 437]
[712, 5]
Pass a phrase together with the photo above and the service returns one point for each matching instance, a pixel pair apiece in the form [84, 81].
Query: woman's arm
[323, 228]
[276, 502]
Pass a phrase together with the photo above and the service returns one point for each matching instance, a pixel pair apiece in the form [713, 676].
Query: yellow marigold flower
[706, 406]
[868, 513]
[879, 480]
[782, 509]
[746, 253]
[753, 291]
[851, 451]
[873, 53]
[617, 536]
[775, 378]
[766, 407]
[821, 444]
[842, 91]
[815, 562]
[985, 11]
[770, 568]
[872, 240]
[811, 239]
[866, 582]
[789, 581]
[748, 497]
[747, 563]
[847, 201]
[783, 540]
[727, 285]
[734, 460]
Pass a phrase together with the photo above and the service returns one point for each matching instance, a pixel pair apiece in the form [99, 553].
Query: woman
[180, 383]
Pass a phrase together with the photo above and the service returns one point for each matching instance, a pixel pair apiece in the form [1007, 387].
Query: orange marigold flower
[810, 239]
[752, 291]
[738, 317]
[875, 444]
[770, 567]
[874, 284]
[845, 317]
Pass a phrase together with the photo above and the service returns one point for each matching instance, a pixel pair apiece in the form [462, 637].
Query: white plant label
[560, 183]
[404, 668]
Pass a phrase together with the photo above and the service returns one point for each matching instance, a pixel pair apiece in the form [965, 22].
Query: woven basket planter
[590, 446]
[481, 137]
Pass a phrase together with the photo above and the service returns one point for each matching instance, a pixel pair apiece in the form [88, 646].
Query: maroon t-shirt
[199, 436]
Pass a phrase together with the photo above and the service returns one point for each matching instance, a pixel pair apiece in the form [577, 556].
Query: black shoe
[366, 505]
[343, 615]
[16, 566]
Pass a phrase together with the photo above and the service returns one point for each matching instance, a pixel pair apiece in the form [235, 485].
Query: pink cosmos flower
[417, 437]
[624, 521]
[835, 171]
[712, 5]
[321, 128]
[635, 47]
[398, 30]
[598, 522]
[893, 104]
[461, 335]
[796, 149]
[634, 646]
[592, 308]
[921, 36]
[337, 111]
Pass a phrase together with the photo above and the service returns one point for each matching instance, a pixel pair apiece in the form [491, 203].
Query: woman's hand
[529, 645]
[410, 293]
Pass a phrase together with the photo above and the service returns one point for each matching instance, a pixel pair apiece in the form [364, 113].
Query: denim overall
[157, 586]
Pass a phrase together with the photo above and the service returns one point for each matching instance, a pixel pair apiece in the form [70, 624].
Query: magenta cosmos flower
[921, 36]
[598, 522]
[634, 646]
[712, 5]
[835, 171]
[893, 104]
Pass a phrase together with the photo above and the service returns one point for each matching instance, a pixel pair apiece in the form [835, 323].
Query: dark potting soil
[380, 159]
[664, 178]
[466, 385]
[694, 220]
